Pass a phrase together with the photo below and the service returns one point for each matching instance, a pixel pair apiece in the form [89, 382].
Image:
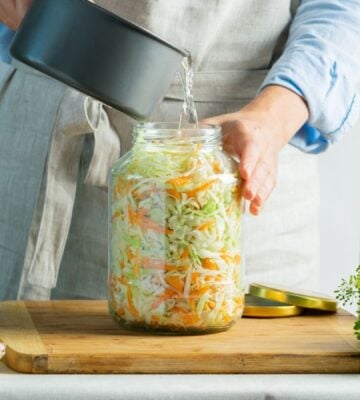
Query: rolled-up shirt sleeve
[321, 63]
[5, 38]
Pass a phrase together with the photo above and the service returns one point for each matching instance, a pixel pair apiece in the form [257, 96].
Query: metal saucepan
[98, 53]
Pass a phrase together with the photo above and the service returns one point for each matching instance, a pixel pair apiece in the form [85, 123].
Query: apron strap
[294, 4]
[107, 143]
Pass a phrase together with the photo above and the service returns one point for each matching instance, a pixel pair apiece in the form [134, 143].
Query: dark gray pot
[98, 53]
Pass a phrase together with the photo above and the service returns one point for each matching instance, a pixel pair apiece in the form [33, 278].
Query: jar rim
[160, 131]
[174, 126]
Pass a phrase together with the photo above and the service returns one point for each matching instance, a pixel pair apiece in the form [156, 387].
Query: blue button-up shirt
[5, 39]
[320, 62]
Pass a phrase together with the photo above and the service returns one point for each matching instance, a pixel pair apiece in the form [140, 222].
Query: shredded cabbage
[175, 232]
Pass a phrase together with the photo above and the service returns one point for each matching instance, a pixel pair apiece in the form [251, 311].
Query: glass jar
[175, 260]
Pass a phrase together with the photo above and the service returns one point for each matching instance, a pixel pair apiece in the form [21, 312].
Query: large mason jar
[175, 259]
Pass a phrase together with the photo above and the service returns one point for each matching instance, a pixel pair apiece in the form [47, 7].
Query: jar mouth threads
[169, 133]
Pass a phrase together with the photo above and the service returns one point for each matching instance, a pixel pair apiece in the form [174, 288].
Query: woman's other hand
[257, 133]
[12, 12]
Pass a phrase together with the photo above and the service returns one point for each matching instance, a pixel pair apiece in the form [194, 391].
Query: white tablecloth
[14, 386]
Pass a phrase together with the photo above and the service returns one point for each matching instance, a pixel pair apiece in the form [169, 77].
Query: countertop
[14, 386]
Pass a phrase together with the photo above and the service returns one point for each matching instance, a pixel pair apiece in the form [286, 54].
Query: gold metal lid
[263, 308]
[300, 298]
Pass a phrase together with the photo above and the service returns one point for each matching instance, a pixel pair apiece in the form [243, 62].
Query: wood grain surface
[80, 337]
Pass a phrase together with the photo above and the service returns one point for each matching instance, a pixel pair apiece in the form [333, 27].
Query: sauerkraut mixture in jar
[175, 256]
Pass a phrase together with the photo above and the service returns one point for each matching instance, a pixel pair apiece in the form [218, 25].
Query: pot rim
[139, 28]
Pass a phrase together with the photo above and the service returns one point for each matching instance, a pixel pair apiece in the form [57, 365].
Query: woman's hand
[12, 12]
[257, 133]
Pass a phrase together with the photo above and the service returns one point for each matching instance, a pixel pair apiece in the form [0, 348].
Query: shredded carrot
[152, 263]
[181, 180]
[173, 193]
[190, 319]
[208, 263]
[143, 212]
[200, 292]
[227, 318]
[121, 311]
[136, 195]
[129, 254]
[175, 282]
[205, 225]
[131, 306]
[132, 215]
[216, 167]
[136, 270]
[117, 214]
[147, 223]
[226, 257]
[204, 186]
[158, 301]
[194, 277]
[122, 280]
[118, 186]
[185, 254]
[155, 319]
[128, 186]
[192, 303]
[140, 218]
[170, 267]
[179, 310]
[211, 304]
[168, 293]
[237, 259]
[206, 307]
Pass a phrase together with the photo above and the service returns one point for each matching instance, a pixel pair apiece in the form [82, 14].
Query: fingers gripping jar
[175, 261]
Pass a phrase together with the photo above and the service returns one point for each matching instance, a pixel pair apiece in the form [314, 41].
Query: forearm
[283, 111]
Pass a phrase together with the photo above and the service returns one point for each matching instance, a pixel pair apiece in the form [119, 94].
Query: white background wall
[340, 210]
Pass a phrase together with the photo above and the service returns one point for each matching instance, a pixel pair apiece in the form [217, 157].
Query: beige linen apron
[24, 143]
[233, 43]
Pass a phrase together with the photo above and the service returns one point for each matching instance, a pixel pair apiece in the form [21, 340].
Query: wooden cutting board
[80, 337]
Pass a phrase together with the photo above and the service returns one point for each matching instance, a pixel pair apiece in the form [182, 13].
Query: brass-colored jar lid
[300, 298]
[258, 307]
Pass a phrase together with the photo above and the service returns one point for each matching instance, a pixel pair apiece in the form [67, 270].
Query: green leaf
[348, 292]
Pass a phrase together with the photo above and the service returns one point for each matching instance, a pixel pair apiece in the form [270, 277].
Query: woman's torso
[222, 35]
[232, 44]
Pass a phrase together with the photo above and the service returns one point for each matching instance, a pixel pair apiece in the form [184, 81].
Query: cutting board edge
[25, 362]
[246, 364]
